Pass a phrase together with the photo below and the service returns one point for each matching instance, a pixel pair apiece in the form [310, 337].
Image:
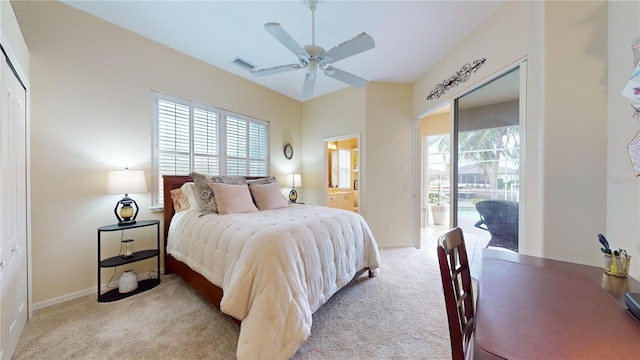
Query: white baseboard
[63, 298]
[81, 293]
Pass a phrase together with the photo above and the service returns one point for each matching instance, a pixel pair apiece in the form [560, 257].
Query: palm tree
[486, 148]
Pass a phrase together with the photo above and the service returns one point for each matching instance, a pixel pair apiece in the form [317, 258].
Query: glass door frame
[453, 104]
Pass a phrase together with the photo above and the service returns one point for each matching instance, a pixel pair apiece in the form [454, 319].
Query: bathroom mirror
[340, 168]
[344, 168]
[333, 165]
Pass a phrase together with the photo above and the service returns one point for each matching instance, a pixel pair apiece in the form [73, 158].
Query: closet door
[13, 211]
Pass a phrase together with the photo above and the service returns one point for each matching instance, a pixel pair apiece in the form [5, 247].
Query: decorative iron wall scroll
[459, 77]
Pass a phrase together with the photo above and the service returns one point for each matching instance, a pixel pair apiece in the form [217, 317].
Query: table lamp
[126, 182]
[292, 181]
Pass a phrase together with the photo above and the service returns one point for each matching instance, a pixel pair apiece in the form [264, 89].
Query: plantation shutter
[237, 145]
[206, 156]
[246, 147]
[190, 137]
[173, 140]
[257, 159]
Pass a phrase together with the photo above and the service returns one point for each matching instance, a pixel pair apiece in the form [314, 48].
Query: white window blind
[194, 137]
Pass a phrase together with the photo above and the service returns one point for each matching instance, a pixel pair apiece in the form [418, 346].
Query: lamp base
[293, 195]
[127, 215]
[126, 222]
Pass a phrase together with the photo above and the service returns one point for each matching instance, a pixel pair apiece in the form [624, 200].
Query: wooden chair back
[458, 292]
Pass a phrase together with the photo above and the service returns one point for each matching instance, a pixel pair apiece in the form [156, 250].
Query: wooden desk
[536, 308]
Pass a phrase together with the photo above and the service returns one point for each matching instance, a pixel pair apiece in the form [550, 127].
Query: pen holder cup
[616, 265]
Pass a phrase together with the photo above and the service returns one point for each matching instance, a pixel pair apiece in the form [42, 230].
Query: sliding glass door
[486, 148]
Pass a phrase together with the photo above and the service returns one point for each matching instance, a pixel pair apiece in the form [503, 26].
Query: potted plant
[439, 209]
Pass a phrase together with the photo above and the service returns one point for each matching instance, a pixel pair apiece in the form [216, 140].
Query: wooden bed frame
[199, 283]
[210, 291]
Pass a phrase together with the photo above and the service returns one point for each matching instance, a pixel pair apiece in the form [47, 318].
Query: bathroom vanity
[341, 200]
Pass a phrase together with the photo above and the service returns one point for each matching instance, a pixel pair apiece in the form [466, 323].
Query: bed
[269, 270]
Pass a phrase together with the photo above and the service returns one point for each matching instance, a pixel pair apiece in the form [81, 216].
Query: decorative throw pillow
[189, 190]
[205, 196]
[262, 181]
[180, 200]
[232, 199]
[268, 196]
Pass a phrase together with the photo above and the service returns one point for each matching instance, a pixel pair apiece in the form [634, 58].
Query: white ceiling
[410, 36]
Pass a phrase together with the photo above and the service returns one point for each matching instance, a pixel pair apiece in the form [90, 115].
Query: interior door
[13, 211]
[486, 178]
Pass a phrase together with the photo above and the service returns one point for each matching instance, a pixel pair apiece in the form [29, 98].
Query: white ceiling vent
[243, 64]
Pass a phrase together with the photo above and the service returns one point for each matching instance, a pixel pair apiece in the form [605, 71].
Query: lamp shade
[126, 182]
[294, 180]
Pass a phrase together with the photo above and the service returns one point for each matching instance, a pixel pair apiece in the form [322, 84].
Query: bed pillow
[204, 193]
[262, 181]
[189, 190]
[231, 199]
[180, 200]
[184, 197]
[268, 196]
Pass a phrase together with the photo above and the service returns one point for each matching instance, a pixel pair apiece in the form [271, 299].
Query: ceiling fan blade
[309, 83]
[285, 39]
[346, 77]
[356, 45]
[276, 70]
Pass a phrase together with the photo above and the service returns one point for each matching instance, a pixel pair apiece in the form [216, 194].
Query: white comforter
[275, 267]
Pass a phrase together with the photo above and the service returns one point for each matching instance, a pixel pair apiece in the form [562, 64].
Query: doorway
[342, 176]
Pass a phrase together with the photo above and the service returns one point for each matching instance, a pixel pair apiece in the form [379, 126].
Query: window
[193, 137]
[344, 168]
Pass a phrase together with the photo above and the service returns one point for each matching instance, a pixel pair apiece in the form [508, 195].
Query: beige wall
[388, 181]
[435, 124]
[336, 114]
[574, 134]
[91, 112]
[502, 40]
[381, 115]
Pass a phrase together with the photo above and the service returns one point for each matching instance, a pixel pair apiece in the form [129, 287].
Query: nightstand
[143, 285]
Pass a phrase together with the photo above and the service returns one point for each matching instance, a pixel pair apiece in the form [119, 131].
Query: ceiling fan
[313, 57]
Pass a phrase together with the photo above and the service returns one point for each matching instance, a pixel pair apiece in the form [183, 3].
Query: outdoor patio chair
[458, 292]
[500, 219]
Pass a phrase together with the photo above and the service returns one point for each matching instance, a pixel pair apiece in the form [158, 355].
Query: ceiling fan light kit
[313, 57]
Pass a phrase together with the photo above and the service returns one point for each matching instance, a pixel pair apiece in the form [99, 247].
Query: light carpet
[398, 315]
